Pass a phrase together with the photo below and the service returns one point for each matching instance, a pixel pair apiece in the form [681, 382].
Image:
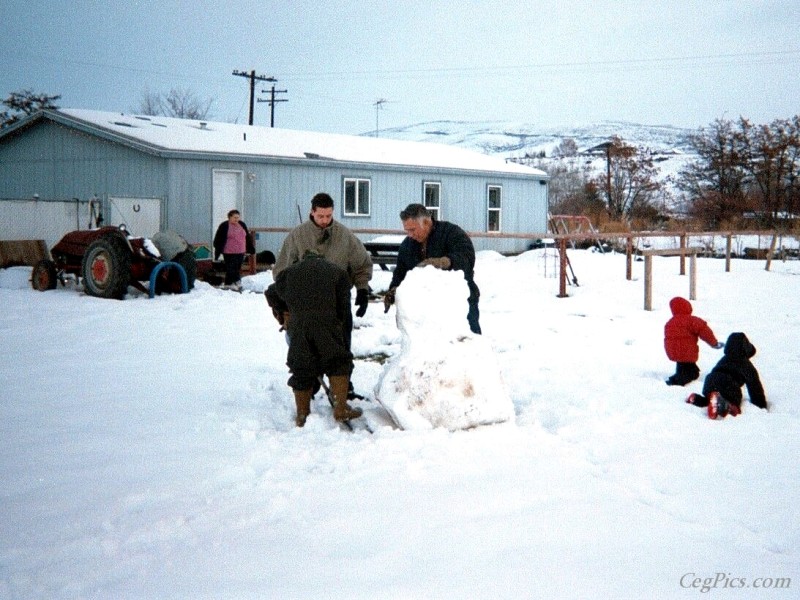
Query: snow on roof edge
[206, 136]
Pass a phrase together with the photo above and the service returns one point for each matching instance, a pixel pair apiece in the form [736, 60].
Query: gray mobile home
[60, 169]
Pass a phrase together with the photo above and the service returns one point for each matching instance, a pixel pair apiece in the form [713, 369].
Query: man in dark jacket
[311, 298]
[722, 388]
[437, 243]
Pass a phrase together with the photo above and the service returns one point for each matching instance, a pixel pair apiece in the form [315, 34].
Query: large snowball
[444, 376]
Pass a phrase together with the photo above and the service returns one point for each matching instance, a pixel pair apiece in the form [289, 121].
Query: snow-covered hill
[669, 145]
[517, 139]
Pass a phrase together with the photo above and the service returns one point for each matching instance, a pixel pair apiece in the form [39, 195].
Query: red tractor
[108, 260]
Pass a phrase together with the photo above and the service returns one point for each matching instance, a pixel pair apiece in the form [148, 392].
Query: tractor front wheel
[44, 276]
[106, 268]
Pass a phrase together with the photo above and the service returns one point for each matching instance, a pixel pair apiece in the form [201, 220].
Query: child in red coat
[680, 341]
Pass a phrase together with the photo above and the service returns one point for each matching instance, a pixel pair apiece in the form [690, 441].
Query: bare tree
[150, 104]
[772, 157]
[566, 149]
[179, 103]
[25, 103]
[569, 192]
[716, 182]
[630, 180]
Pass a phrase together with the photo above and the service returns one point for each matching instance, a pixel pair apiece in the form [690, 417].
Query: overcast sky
[561, 62]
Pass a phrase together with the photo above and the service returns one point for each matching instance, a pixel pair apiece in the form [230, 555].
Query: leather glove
[362, 300]
[719, 345]
[438, 263]
[282, 317]
[388, 299]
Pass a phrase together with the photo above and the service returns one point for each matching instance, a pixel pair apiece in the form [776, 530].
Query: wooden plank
[673, 252]
[648, 271]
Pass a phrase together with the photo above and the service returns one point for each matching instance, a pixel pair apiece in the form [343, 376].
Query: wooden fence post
[648, 271]
[648, 282]
[728, 253]
[562, 271]
[683, 255]
[629, 258]
[771, 250]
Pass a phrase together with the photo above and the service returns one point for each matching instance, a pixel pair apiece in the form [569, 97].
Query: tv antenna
[378, 107]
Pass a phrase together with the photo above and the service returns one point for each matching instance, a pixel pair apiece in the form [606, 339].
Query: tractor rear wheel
[44, 276]
[106, 268]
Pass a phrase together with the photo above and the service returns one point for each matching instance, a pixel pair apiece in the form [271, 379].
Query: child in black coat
[722, 389]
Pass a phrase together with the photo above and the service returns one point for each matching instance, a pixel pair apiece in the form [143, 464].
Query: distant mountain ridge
[669, 146]
[513, 140]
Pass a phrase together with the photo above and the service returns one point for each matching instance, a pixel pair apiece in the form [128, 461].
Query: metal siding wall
[26, 165]
[57, 162]
[279, 189]
[188, 211]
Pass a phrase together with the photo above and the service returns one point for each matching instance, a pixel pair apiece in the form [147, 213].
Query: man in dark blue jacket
[437, 243]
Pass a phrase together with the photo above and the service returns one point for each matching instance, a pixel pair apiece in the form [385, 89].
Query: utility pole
[272, 102]
[253, 78]
[378, 106]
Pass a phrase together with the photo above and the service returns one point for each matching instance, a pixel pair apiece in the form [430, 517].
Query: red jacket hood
[680, 306]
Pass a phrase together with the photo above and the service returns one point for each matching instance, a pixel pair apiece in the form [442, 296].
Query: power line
[272, 100]
[466, 71]
[253, 78]
[469, 71]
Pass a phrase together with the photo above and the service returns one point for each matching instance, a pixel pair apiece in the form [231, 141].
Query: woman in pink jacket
[233, 241]
[680, 341]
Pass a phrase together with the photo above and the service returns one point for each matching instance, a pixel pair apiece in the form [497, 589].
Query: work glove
[719, 345]
[438, 263]
[362, 300]
[282, 317]
[388, 299]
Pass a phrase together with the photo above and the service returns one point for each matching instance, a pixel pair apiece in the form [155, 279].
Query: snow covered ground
[147, 449]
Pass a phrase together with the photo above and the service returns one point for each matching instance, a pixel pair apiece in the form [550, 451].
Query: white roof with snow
[186, 135]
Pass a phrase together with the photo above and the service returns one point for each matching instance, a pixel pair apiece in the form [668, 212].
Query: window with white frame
[432, 194]
[356, 197]
[494, 207]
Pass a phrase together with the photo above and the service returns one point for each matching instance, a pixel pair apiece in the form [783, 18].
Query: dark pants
[233, 268]
[473, 315]
[316, 347]
[347, 329]
[685, 372]
[719, 381]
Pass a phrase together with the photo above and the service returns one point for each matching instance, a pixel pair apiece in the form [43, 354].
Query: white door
[141, 216]
[227, 194]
